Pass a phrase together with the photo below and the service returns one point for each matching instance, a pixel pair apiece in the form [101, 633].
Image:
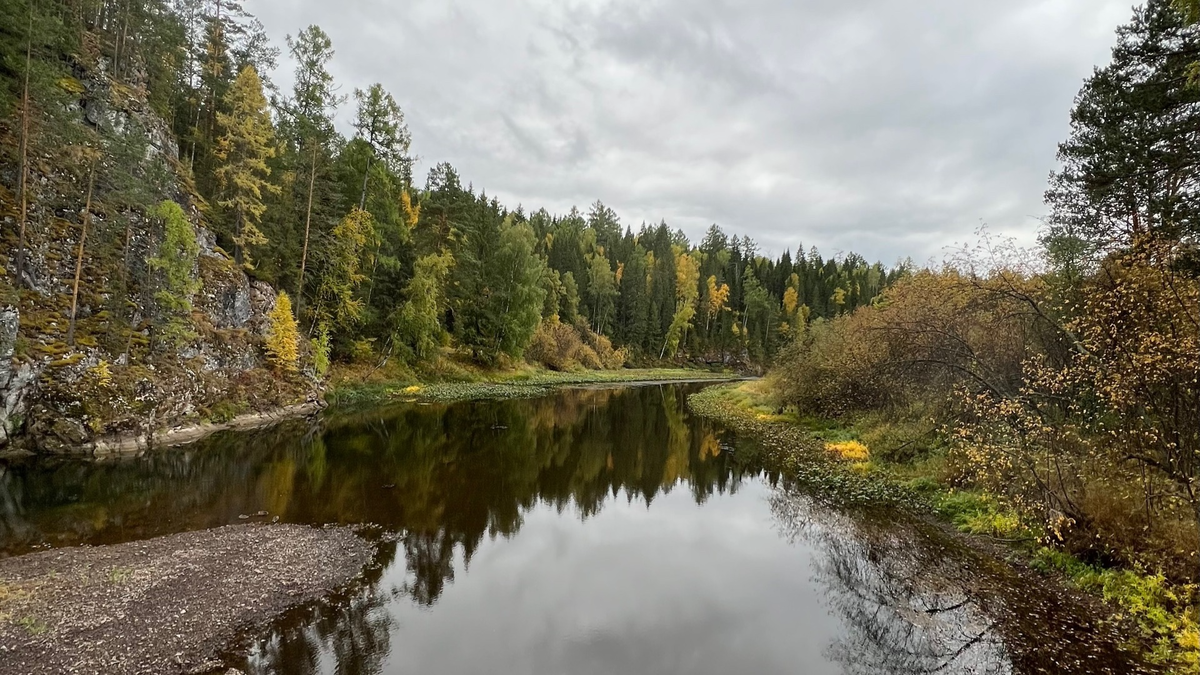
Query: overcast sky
[889, 128]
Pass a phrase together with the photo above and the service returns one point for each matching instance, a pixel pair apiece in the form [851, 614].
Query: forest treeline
[1066, 379]
[377, 265]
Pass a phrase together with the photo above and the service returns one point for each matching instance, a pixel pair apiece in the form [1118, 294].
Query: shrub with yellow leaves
[852, 451]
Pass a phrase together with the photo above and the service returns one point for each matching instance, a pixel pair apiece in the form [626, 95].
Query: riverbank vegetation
[1055, 391]
[352, 387]
[829, 459]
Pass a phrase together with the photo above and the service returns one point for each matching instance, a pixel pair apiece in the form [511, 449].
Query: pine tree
[379, 123]
[23, 166]
[1129, 167]
[247, 142]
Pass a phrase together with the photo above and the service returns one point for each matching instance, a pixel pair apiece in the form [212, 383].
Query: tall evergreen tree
[310, 115]
[1130, 166]
[246, 143]
[380, 124]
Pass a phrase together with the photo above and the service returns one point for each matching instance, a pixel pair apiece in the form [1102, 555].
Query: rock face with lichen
[122, 374]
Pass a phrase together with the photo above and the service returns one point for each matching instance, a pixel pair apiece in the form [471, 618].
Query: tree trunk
[1196, 506]
[237, 237]
[125, 284]
[23, 171]
[312, 179]
[374, 268]
[362, 201]
[86, 220]
[212, 99]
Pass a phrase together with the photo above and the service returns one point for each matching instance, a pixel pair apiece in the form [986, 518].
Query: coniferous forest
[165, 118]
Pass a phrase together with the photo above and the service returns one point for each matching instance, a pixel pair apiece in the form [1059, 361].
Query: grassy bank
[836, 462]
[352, 387]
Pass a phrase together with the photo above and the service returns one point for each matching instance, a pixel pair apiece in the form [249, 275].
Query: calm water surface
[592, 531]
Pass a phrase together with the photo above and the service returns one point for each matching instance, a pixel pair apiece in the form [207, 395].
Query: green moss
[119, 575]
[225, 410]
[33, 625]
[52, 348]
[68, 361]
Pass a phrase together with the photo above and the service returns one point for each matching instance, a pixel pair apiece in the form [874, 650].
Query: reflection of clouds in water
[900, 610]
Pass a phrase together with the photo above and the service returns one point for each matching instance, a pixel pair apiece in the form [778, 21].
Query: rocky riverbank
[164, 605]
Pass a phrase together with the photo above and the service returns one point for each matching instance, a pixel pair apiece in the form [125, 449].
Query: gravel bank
[165, 605]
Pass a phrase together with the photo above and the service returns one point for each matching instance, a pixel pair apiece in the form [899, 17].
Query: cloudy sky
[889, 128]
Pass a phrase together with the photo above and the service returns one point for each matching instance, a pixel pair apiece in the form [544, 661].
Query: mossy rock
[68, 361]
[70, 85]
[52, 348]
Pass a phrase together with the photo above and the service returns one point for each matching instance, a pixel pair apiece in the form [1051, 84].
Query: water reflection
[914, 601]
[445, 475]
[350, 633]
[594, 531]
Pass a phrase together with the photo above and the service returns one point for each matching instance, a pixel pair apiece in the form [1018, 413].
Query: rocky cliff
[119, 374]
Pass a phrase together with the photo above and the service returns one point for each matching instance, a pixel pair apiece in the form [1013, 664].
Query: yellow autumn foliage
[283, 339]
[853, 451]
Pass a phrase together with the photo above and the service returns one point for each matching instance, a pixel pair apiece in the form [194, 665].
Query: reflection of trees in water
[444, 476]
[901, 612]
[429, 559]
[353, 632]
[913, 601]
[69, 501]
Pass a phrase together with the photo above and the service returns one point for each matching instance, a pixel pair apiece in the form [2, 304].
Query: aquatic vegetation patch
[500, 385]
[791, 448]
[978, 513]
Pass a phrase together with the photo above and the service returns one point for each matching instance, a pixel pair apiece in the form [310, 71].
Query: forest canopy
[385, 265]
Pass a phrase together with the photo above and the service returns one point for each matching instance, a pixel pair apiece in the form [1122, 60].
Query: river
[595, 530]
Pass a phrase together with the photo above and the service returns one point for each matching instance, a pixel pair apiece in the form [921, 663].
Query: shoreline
[135, 443]
[165, 604]
[185, 434]
[800, 453]
[496, 386]
[505, 385]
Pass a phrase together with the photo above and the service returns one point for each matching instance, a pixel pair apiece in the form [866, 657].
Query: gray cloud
[892, 129]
